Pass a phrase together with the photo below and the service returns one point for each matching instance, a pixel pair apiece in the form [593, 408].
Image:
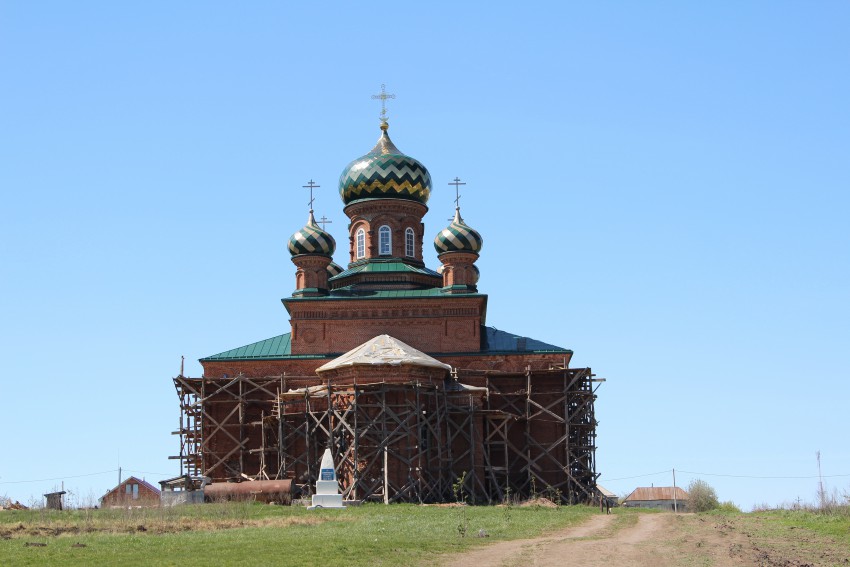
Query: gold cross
[383, 97]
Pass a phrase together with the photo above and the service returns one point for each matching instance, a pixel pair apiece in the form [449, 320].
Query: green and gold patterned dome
[458, 237]
[385, 173]
[312, 240]
[334, 269]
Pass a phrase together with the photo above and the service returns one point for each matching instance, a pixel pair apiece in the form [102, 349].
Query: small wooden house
[132, 492]
[607, 495]
[55, 500]
[659, 497]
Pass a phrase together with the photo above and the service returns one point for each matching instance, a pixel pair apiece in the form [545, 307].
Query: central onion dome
[312, 240]
[458, 237]
[385, 173]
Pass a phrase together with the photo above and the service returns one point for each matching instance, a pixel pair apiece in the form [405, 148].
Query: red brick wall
[119, 497]
[441, 324]
[398, 214]
[503, 363]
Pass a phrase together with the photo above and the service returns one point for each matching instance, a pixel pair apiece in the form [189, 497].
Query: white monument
[327, 488]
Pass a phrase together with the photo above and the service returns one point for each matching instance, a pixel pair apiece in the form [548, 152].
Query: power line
[149, 472]
[637, 476]
[57, 478]
[765, 477]
[808, 477]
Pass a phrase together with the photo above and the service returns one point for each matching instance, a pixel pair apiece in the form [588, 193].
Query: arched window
[409, 243]
[385, 240]
[360, 243]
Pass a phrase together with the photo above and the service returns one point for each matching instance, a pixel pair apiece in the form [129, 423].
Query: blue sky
[662, 187]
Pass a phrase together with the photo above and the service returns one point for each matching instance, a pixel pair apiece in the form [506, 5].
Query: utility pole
[386, 481]
[675, 502]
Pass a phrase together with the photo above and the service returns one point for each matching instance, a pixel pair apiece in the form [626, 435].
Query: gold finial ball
[384, 125]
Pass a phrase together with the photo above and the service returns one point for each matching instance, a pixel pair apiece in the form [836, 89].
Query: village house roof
[133, 480]
[648, 493]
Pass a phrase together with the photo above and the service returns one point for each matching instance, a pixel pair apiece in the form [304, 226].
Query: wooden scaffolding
[505, 434]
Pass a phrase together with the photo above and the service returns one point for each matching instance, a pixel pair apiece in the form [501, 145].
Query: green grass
[835, 523]
[256, 534]
[800, 536]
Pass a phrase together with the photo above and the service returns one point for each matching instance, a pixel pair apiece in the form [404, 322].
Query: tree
[701, 496]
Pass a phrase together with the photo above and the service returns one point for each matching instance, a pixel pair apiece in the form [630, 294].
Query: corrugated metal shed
[651, 493]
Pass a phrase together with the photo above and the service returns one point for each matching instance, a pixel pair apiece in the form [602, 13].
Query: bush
[728, 506]
[701, 496]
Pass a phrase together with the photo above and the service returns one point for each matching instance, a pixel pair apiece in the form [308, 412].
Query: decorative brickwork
[398, 215]
[431, 324]
[311, 277]
[459, 273]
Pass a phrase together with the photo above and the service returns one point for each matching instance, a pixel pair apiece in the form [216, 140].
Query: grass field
[374, 534]
[257, 534]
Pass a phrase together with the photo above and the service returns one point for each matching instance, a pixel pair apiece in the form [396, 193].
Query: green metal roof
[350, 291]
[386, 266]
[275, 347]
[493, 341]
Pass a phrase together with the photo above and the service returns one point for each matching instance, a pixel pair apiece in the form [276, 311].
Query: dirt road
[643, 540]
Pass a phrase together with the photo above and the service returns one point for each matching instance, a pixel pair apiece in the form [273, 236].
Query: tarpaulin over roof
[383, 350]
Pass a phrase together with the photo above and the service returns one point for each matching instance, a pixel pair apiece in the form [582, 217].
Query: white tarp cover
[383, 349]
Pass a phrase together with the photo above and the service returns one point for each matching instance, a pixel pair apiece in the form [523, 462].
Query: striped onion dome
[385, 173]
[311, 240]
[458, 237]
[334, 269]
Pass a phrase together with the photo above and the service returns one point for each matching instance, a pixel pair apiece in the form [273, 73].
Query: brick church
[391, 363]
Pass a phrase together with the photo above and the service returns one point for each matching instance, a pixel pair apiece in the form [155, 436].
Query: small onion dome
[312, 240]
[385, 173]
[334, 269]
[458, 237]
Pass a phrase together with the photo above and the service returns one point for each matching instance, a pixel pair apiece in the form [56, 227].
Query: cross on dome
[310, 185]
[383, 98]
[457, 183]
